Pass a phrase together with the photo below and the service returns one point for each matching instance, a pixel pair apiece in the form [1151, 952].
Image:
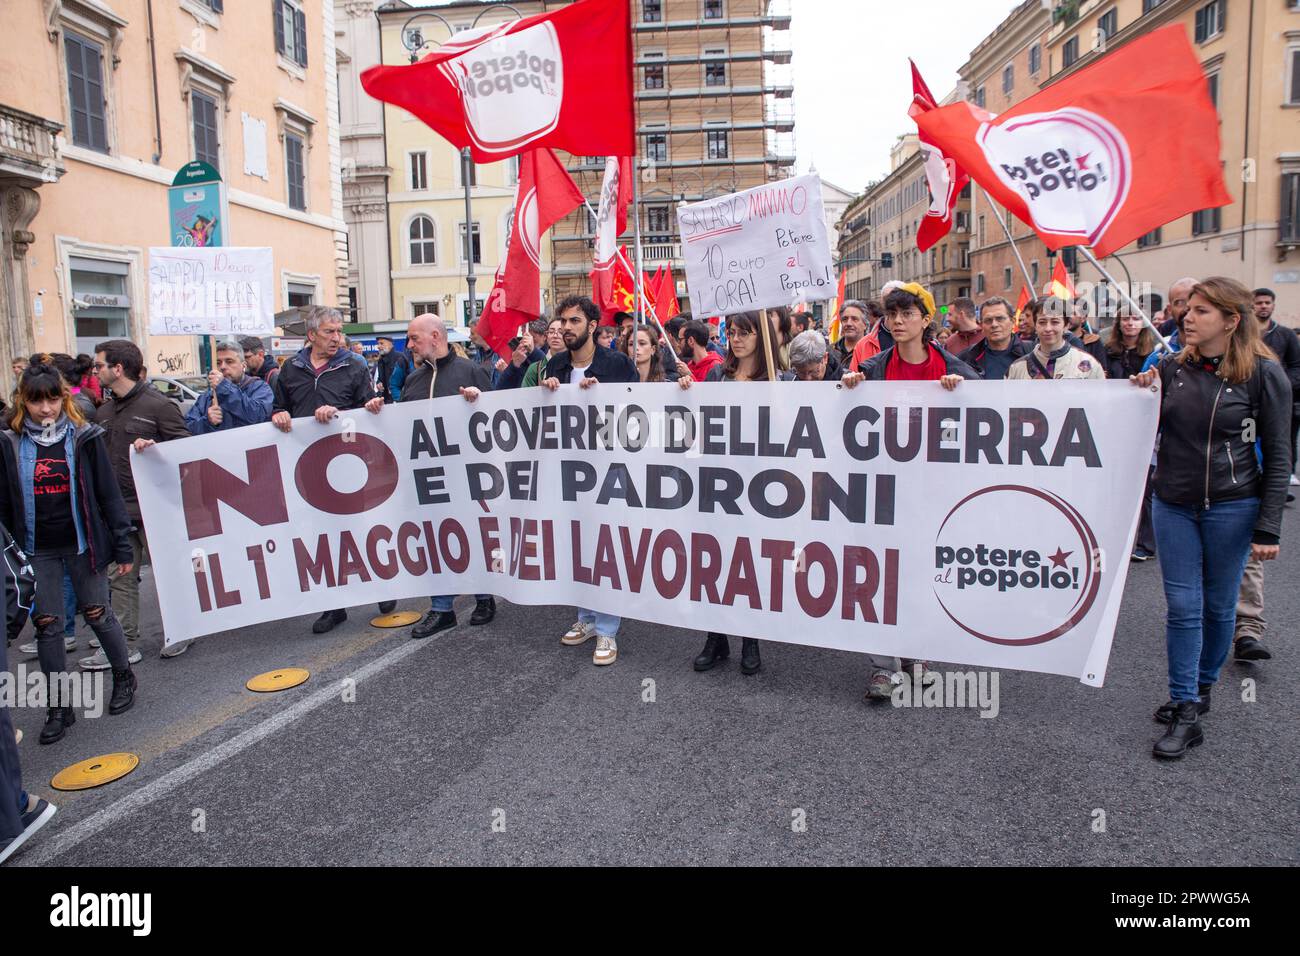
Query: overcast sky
[852, 85]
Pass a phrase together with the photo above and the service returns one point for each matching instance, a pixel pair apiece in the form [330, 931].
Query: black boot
[434, 622]
[750, 662]
[328, 621]
[386, 607]
[124, 685]
[1251, 649]
[57, 722]
[484, 611]
[1165, 712]
[716, 648]
[1184, 732]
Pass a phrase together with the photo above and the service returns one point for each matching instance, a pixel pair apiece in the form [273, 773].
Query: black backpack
[20, 583]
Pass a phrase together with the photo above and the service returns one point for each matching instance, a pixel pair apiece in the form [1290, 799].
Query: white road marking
[170, 781]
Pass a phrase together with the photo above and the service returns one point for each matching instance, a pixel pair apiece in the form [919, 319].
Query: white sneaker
[69, 644]
[94, 642]
[176, 650]
[99, 660]
[1295, 480]
[606, 650]
[580, 633]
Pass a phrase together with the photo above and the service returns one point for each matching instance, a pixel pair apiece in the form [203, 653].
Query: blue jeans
[1202, 554]
[606, 624]
[442, 602]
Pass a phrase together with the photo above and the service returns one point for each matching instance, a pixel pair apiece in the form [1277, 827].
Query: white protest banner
[763, 247]
[219, 290]
[990, 525]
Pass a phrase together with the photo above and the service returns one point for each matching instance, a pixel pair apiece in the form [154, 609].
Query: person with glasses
[909, 317]
[993, 354]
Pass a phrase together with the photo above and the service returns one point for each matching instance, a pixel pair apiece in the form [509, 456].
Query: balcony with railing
[29, 148]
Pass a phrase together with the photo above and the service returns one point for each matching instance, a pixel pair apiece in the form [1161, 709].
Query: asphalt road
[497, 745]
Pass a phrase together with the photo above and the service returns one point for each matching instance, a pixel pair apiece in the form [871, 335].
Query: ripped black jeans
[93, 602]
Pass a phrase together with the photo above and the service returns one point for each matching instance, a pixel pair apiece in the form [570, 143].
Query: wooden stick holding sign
[765, 329]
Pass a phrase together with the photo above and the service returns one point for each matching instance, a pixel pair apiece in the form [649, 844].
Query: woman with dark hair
[783, 324]
[60, 499]
[747, 361]
[73, 373]
[909, 314]
[640, 343]
[1216, 501]
[1128, 345]
[89, 380]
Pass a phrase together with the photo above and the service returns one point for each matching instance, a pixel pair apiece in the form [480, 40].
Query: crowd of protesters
[1212, 509]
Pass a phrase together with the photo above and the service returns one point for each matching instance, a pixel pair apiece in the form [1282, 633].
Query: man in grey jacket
[439, 372]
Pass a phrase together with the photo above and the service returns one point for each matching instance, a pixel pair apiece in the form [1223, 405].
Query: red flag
[560, 79]
[545, 195]
[945, 178]
[1024, 300]
[611, 220]
[1062, 287]
[665, 297]
[1103, 156]
[499, 323]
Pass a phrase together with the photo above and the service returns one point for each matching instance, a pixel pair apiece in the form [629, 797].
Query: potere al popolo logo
[1015, 565]
[1071, 166]
[511, 84]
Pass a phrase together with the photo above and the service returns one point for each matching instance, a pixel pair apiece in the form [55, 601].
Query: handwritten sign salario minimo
[756, 249]
[211, 291]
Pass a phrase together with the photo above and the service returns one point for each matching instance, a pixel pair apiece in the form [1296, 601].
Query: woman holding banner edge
[1216, 503]
[909, 315]
[748, 360]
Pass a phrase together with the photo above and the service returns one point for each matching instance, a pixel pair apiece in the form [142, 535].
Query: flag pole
[1087, 254]
[628, 266]
[639, 303]
[1006, 229]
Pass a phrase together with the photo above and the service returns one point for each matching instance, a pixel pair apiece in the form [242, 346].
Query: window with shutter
[295, 171]
[300, 37]
[206, 146]
[277, 10]
[217, 6]
[1295, 77]
[86, 91]
[1290, 221]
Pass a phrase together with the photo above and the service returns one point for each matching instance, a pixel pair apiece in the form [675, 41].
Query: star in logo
[1058, 559]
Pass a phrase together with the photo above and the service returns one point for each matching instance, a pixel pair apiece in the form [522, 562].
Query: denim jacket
[26, 473]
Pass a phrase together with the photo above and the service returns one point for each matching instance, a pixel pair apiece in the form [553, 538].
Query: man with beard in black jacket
[321, 381]
[440, 373]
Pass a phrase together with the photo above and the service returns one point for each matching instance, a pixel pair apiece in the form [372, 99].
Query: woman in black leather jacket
[1216, 501]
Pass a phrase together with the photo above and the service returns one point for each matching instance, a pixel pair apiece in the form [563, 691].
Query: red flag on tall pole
[945, 178]
[611, 220]
[561, 79]
[544, 195]
[1104, 156]
[1062, 287]
[1024, 300]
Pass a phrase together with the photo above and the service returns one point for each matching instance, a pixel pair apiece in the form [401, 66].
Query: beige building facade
[102, 101]
[1250, 53]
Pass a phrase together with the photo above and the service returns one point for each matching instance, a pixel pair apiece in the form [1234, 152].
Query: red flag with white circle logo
[1101, 157]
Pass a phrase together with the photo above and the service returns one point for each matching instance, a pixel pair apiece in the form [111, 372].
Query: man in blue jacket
[241, 399]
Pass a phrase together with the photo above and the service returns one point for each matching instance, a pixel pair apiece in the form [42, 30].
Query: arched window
[423, 245]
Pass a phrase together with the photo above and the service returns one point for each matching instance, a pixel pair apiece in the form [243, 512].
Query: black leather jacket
[1208, 429]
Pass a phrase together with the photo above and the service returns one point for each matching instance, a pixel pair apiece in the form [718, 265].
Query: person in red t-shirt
[909, 315]
[695, 341]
